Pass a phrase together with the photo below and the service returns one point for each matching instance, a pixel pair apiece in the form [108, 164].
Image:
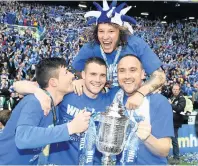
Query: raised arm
[156, 80]
[25, 87]
[28, 136]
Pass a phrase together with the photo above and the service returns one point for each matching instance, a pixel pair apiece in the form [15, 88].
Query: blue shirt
[67, 153]
[161, 119]
[136, 46]
[27, 132]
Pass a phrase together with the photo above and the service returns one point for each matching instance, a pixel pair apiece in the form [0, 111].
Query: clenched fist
[80, 123]
[144, 130]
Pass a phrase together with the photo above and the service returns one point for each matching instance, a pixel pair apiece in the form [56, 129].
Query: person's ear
[53, 82]
[1, 125]
[83, 75]
[142, 74]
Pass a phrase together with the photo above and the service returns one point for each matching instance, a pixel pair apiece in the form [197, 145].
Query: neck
[56, 96]
[88, 93]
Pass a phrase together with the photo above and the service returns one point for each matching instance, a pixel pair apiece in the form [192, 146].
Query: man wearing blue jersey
[113, 38]
[155, 131]
[28, 132]
[92, 100]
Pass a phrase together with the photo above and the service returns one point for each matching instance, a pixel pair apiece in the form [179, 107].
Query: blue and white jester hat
[111, 14]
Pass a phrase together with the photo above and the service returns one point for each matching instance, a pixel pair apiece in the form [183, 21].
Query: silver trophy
[111, 134]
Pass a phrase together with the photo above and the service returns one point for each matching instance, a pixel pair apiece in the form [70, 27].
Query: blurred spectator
[178, 104]
[12, 101]
[4, 117]
[166, 90]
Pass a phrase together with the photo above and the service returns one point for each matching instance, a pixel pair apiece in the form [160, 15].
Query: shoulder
[160, 107]
[30, 100]
[28, 106]
[89, 46]
[181, 97]
[112, 92]
[159, 100]
[68, 98]
[135, 40]
[103, 96]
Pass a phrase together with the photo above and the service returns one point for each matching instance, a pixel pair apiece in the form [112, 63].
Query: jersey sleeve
[149, 59]
[161, 117]
[84, 53]
[30, 135]
[31, 113]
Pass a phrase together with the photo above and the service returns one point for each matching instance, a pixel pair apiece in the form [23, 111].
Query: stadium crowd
[30, 32]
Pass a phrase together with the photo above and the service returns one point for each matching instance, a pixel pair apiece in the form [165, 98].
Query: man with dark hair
[4, 117]
[153, 145]
[112, 39]
[92, 100]
[178, 104]
[28, 134]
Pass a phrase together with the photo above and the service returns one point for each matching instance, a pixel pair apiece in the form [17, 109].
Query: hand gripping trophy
[114, 134]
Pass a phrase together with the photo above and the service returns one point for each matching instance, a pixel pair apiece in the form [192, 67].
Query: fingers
[84, 114]
[80, 90]
[131, 106]
[144, 130]
[78, 86]
[74, 88]
[134, 101]
[46, 110]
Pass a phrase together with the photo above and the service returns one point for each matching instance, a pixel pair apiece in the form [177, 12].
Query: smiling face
[95, 79]
[108, 37]
[130, 74]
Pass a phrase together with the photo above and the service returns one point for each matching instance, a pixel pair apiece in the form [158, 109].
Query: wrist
[144, 140]
[36, 89]
[137, 91]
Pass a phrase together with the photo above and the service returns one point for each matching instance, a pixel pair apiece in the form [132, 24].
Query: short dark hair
[4, 116]
[46, 69]
[131, 55]
[176, 84]
[96, 60]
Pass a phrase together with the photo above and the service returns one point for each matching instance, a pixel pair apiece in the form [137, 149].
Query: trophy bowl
[111, 133]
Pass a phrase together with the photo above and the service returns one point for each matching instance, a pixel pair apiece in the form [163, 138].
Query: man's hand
[144, 130]
[78, 86]
[134, 101]
[80, 123]
[44, 100]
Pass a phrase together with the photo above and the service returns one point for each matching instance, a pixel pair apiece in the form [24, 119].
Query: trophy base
[106, 160]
